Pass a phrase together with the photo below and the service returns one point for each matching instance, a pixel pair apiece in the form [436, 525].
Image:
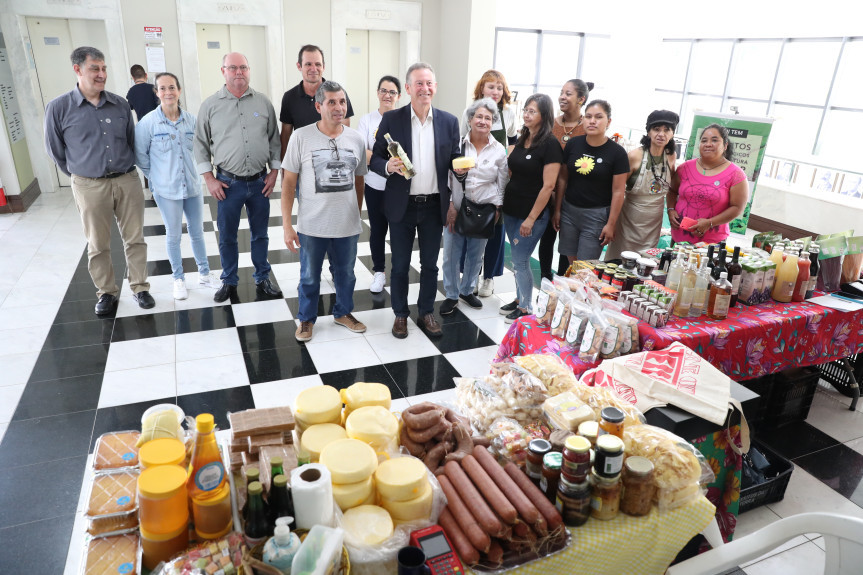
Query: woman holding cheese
[482, 184]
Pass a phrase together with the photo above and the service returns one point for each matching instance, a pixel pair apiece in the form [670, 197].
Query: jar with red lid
[551, 466]
[611, 421]
[536, 450]
[576, 459]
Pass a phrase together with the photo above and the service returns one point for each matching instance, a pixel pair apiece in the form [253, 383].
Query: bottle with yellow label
[208, 483]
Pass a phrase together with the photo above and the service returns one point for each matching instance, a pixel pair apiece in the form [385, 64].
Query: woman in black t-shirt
[594, 177]
[534, 164]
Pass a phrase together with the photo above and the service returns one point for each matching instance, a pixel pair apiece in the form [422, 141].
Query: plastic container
[209, 516]
[163, 504]
[158, 547]
[208, 483]
[280, 550]
[164, 451]
[320, 552]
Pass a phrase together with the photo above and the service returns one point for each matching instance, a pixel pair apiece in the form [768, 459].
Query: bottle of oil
[396, 151]
[208, 483]
[686, 291]
[720, 297]
[702, 290]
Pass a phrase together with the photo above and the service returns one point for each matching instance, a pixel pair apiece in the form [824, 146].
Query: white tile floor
[41, 249]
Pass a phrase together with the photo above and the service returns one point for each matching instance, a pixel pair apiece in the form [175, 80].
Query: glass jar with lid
[551, 464]
[611, 421]
[576, 459]
[590, 430]
[573, 501]
[536, 450]
[638, 486]
[608, 460]
[605, 496]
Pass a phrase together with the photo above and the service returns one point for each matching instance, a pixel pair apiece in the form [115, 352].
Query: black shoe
[508, 308]
[106, 304]
[265, 287]
[225, 292]
[144, 299]
[515, 315]
[472, 301]
[448, 306]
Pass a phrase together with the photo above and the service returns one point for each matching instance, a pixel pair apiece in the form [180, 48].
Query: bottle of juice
[720, 297]
[702, 290]
[814, 251]
[803, 264]
[777, 253]
[208, 484]
[786, 278]
[686, 291]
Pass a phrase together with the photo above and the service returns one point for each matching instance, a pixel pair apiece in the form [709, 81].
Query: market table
[644, 545]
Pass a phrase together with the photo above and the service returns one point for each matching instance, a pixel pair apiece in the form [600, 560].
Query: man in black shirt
[298, 103]
[142, 96]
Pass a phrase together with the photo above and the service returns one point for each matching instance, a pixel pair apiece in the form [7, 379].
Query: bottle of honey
[208, 483]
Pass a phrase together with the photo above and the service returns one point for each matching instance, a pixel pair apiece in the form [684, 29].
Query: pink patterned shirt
[701, 196]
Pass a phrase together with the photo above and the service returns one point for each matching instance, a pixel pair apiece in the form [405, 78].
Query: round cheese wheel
[349, 495]
[374, 425]
[349, 460]
[319, 404]
[363, 394]
[318, 436]
[401, 478]
[368, 524]
[412, 509]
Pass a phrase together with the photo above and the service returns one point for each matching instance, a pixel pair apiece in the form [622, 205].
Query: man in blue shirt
[142, 96]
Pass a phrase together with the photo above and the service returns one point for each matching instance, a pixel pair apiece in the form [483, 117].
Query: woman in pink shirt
[709, 189]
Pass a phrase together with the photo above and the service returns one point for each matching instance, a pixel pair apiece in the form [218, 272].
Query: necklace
[566, 136]
[658, 179]
[705, 169]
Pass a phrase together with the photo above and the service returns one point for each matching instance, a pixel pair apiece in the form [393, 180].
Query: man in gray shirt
[90, 135]
[237, 132]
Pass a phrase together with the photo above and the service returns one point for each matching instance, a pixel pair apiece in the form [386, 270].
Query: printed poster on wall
[748, 138]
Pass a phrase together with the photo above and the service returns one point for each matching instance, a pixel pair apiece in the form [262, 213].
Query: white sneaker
[180, 291]
[378, 282]
[486, 288]
[210, 280]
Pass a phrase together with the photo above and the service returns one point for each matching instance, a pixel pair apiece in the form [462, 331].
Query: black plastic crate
[773, 489]
[835, 373]
[786, 396]
[762, 386]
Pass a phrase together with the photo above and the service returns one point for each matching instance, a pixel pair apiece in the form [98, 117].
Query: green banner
[748, 138]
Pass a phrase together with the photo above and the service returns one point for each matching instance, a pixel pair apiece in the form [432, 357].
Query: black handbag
[475, 220]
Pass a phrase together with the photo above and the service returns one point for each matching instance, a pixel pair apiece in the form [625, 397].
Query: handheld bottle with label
[686, 291]
[786, 277]
[814, 251]
[279, 551]
[208, 483]
[734, 275]
[702, 290]
[802, 283]
[720, 297]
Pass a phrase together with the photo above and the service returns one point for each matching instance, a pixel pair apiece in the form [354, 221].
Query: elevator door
[216, 40]
[370, 55]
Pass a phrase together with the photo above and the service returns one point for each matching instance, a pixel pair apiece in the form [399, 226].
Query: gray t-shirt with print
[327, 197]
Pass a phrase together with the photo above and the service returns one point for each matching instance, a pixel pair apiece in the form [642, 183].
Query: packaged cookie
[115, 554]
[112, 524]
[594, 332]
[116, 450]
[546, 302]
[113, 494]
[560, 319]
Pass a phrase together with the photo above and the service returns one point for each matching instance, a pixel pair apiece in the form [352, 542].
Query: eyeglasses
[530, 112]
[233, 69]
[334, 150]
[392, 93]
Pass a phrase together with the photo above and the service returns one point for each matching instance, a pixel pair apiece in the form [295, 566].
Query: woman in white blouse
[483, 184]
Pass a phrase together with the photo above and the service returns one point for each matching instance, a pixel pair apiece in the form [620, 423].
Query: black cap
[662, 117]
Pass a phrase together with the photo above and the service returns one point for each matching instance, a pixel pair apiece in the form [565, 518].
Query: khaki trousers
[99, 200]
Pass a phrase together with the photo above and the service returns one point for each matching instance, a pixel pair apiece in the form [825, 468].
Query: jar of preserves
[604, 497]
[611, 421]
[599, 269]
[551, 464]
[589, 430]
[607, 275]
[573, 501]
[608, 460]
[638, 486]
[619, 280]
[536, 449]
[576, 459]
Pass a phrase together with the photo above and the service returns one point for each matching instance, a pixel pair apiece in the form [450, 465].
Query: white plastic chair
[843, 538]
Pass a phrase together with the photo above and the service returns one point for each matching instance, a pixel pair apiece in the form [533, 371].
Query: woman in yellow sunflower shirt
[594, 179]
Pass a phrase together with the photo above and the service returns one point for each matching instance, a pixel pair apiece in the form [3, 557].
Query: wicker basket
[253, 564]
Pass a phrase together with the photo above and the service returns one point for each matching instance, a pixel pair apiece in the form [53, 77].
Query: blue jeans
[492, 260]
[343, 255]
[453, 246]
[520, 250]
[237, 195]
[172, 214]
[421, 220]
[379, 225]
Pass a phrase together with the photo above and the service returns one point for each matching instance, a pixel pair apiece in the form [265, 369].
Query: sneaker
[472, 301]
[210, 280]
[350, 322]
[486, 288]
[514, 315]
[448, 306]
[304, 331]
[508, 308]
[378, 282]
[180, 291]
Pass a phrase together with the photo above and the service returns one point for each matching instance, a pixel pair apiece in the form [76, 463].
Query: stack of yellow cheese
[318, 436]
[368, 524]
[352, 464]
[319, 404]
[376, 426]
[404, 489]
[364, 394]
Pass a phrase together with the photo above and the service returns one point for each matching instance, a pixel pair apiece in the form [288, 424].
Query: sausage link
[473, 500]
[478, 538]
[537, 497]
[489, 490]
[527, 510]
[466, 551]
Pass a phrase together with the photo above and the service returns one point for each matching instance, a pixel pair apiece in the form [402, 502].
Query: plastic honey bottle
[720, 297]
[786, 278]
[208, 484]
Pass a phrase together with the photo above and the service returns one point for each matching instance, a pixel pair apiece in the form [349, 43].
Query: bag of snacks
[594, 333]
[510, 391]
[208, 557]
[560, 319]
[509, 440]
[550, 370]
[599, 397]
[546, 302]
[680, 469]
[627, 334]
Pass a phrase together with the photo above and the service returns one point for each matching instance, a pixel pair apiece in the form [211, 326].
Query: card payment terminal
[440, 556]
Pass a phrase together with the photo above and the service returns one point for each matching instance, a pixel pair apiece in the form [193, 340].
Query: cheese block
[364, 394]
[374, 425]
[401, 478]
[567, 411]
[302, 425]
[367, 524]
[318, 404]
[412, 509]
[349, 495]
[464, 162]
[318, 436]
[349, 460]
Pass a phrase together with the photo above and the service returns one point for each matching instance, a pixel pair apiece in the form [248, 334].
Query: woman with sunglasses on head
[534, 164]
[389, 91]
[505, 130]
[710, 189]
[651, 169]
[594, 179]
